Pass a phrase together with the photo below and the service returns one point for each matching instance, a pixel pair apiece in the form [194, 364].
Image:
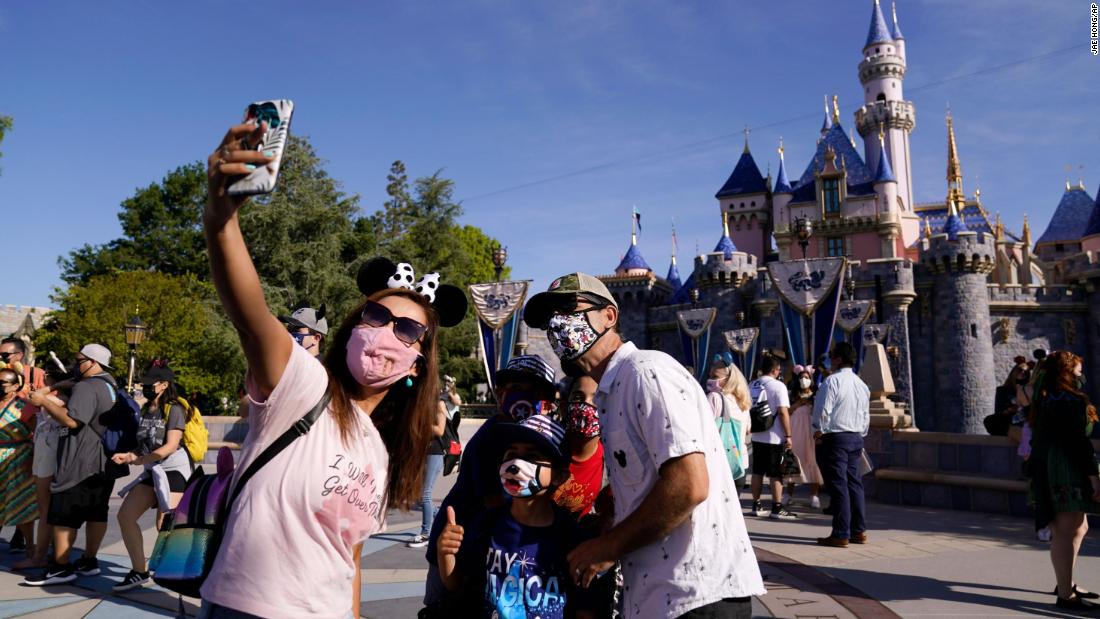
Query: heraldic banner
[742, 342]
[850, 317]
[497, 307]
[695, 336]
[809, 293]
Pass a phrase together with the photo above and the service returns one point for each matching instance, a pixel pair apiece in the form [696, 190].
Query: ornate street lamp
[804, 229]
[500, 256]
[135, 334]
[740, 316]
[695, 296]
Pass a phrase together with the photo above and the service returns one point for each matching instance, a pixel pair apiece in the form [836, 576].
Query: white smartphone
[277, 114]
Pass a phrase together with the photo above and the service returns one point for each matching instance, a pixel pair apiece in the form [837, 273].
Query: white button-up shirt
[842, 404]
[652, 410]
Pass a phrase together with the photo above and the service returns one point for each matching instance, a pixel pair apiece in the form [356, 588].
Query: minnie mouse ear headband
[725, 358]
[381, 273]
[809, 369]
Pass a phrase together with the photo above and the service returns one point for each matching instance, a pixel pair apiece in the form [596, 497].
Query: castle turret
[1090, 241]
[886, 186]
[882, 73]
[895, 32]
[746, 199]
[1063, 235]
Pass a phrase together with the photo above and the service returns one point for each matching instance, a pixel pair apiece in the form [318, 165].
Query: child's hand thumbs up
[450, 540]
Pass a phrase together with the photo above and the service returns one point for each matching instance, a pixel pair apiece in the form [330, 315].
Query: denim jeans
[838, 458]
[432, 468]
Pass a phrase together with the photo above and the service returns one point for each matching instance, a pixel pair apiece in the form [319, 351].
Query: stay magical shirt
[288, 547]
[522, 568]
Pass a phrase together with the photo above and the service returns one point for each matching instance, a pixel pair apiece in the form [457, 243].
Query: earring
[408, 381]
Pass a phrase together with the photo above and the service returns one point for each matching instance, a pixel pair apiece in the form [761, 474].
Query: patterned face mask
[520, 478]
[572, 335]
[583, 420]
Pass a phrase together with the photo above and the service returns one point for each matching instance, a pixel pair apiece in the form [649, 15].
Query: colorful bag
[733, 440]
[185, 551]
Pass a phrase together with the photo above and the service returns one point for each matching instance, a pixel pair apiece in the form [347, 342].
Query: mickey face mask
[520, 478]
[572, 335]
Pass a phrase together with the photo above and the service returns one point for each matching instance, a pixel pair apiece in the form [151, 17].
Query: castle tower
[746, 200]
[1063, 235]
[1090, 241]
[882, 73]
[886, 186]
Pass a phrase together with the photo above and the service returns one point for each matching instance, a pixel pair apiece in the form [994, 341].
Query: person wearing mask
[17, 418]
[728, 394]
[293, 542]
[308, 327]
[841, 418]
[523, 388]
[13, 353]
[85, 476]
[678, 531]
[802, 435]
[582, 438]
[1065, 485]
[769, 445]
[433, 466]
[167, 467]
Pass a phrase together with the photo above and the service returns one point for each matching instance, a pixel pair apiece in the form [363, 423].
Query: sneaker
[419, 541]
[85, 566]
[18, 545]
[55, 575]
[133, 580]
[758, 509]
[815, 503]
[1044, 534]
[783, 514]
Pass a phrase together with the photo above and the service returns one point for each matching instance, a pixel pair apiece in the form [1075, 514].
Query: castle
[962, 296]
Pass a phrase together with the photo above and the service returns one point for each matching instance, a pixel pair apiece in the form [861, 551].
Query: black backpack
[761, 415]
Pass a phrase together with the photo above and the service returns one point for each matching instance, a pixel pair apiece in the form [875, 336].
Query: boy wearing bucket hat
[510, 561]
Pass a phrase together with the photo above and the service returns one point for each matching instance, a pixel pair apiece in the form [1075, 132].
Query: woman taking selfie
[294, 535]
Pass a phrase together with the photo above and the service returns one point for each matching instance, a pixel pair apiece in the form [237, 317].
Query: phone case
[277, 113]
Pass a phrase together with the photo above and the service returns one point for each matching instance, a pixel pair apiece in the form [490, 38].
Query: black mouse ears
[382, 273]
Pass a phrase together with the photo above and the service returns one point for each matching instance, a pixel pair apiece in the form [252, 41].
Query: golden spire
[927, 229]
[781, 148]
[725, 224]
[836, 111]
[999, 229]
[955, 197]
[1067, 184]
[746, 139]
[1027, 232]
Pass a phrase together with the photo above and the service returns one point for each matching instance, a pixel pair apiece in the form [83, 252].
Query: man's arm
[55, 409]
[682, 484]
[785, 421]
[822, 407]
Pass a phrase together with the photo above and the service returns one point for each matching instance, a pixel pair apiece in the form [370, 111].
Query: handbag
[732, 440]
[452, 446]
[185, 550]
[761, 415]
[788, 464]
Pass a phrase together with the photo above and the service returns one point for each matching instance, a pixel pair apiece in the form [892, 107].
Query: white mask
[806, 383]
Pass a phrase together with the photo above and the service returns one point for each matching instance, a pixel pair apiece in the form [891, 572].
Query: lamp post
[500, 256]
[804, 228]
[695, 296]
[135, 334]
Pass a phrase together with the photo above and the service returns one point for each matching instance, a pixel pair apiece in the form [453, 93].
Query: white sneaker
[815, 503]
[419, 541]
[1044, 534]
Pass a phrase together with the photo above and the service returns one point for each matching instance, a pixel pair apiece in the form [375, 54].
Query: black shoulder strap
[299, 429]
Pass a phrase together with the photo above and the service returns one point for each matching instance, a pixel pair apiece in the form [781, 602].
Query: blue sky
[109, 96]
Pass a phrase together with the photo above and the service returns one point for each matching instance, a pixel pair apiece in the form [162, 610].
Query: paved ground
[919, 563]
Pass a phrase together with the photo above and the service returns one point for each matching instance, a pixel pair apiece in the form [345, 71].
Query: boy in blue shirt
[510, 561]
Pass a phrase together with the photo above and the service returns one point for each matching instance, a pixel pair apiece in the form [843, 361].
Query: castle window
[753, 203]
[831, 196]
[1059, 247]
[835, 247]
[880, 97]
[877, 50]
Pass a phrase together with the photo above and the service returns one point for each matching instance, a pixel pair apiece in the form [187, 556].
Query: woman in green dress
[1064, 478]
[17, 499]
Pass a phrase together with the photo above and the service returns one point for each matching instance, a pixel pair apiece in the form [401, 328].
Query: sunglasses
[6, 355]
[407, 330]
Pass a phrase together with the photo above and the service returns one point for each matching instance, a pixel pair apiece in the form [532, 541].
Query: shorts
[84, 502]
[765, 460]
[44, 461]
[176, 481]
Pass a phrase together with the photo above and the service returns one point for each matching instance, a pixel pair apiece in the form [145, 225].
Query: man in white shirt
[768, 446]
[678, 531]
[842, 415]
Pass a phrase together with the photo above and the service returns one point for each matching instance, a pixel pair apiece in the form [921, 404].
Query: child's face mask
[520, 477]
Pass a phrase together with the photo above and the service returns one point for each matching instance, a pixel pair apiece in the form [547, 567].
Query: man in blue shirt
[842, 414]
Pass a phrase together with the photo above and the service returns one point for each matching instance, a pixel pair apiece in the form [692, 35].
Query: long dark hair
[170, 396]
[1058, 376]
[405, 415]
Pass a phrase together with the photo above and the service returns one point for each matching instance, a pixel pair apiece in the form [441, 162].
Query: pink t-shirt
[288, 546]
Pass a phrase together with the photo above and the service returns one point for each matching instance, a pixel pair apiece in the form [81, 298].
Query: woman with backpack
[352, 431]
[167, 467]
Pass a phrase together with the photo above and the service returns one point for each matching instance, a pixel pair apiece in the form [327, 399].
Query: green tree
[186, 327]
[5, 126]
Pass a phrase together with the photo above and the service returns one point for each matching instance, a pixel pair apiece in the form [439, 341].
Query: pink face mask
[376, 358]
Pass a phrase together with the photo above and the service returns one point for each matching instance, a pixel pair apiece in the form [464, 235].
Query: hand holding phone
[276, 115]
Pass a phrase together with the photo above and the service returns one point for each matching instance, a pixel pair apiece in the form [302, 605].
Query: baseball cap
[561, 292]
[528, 367]
[98, 353]
[539, 430]
[158, 374]
[312, 319]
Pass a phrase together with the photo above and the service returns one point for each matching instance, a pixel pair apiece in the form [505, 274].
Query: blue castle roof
[673, 276]
[725, 246]
[782, 185]
[683, 294]
[1094, 220]
[745, 178]
[633, 260]
[895, 32]
[885, 173]
[860, 181]
[1070, 218]
[953, 226]
[972, 216]
[878, 33]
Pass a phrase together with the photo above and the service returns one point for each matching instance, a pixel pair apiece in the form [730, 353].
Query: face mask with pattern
[583, 420]
[520, 478]
[572, 335]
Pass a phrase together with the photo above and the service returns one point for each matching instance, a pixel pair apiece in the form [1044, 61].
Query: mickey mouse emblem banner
[743, 343]
[497, 307]
[809, 292]
[695, 335]
[852, 314]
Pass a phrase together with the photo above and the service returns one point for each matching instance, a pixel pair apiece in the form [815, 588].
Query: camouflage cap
[561, 292]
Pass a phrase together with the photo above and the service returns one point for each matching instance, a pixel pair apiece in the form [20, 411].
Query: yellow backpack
[196, 437]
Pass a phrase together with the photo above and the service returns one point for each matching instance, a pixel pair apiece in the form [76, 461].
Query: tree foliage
[5, 126]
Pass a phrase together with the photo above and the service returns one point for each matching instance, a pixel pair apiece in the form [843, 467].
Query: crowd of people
[613, 493]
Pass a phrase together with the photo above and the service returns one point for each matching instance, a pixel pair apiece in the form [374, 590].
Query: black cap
[156, 375]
